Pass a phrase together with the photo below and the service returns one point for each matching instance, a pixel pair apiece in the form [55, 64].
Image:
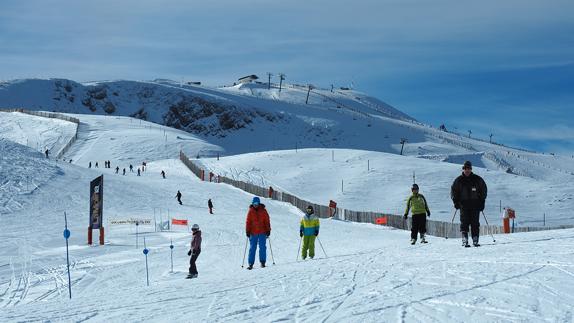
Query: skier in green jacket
[420, 210]
[309, 230]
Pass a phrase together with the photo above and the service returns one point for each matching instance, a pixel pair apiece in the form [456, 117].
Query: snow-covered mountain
[249, 118]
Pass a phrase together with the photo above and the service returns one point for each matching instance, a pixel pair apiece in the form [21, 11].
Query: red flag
[381, 220]
[178, 222]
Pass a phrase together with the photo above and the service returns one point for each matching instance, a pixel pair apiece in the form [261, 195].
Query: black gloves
[481, 208]
[316, 232]
[189, 252]
[428, 214]
[248, 234]
[301, 233]
[268, 233]
[405, 216]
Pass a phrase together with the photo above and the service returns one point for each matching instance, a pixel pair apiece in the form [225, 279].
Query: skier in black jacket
[468, 193]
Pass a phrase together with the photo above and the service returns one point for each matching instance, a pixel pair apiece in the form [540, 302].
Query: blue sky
[501, 67]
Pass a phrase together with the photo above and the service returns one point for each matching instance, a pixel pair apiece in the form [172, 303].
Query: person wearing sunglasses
[468, 193]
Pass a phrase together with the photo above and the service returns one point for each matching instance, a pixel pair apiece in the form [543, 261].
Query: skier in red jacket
[257, 228]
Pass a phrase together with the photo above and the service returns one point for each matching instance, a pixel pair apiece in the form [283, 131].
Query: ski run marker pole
[145, 252]
[171, 249]
[67, 236]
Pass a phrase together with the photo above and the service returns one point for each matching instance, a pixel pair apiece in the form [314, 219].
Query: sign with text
[96, 202]
[131, 221]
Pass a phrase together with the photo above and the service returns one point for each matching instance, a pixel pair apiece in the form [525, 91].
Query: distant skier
[178, 196]
[47, 152]
[138, 171]
[131, 168]
[117, 169]
[109, 164]
[194, 251]
[210, 206]
[96, 165]
[163, 174]
[420, 210]
[124, 171]
[90, 165]
[308, 231]
[258, 229]
[468, 193]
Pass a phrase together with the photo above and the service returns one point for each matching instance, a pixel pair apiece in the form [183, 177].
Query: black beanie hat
[467, 164]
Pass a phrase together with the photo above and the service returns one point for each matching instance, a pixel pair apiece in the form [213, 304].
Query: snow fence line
[434, 228]
[52, 115]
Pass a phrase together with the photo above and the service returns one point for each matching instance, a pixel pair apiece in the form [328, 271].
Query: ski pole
[299, 249]
[485, 219]
[244, 252]
[271, 248]
[322, 247]
[451, 223]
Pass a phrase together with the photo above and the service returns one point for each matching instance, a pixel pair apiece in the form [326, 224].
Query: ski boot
[263, 264]
[423, 240]
[413, 241]
[465, 239]
[475, 242]
[250, 267]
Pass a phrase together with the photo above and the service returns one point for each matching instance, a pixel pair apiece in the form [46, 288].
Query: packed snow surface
[366, 273]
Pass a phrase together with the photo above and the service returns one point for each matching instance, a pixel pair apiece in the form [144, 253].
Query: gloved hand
[301, 233]
[456, 206]
[189, 252]
[428, 214]
[405, 216]
[248, 234]
[316, 232]
[268, 233]
[481, 207]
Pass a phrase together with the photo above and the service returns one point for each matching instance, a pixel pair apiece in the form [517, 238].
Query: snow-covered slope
[36, 132]
[373, 181]
[371, 273]
[249, 117]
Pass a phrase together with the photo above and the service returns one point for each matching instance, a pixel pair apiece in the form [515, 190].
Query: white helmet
[195, 226]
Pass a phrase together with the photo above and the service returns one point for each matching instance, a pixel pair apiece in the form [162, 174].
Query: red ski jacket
[257, 220]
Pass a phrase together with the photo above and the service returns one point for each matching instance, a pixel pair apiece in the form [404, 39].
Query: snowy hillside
[371, 273]
[249, 117]
[381, 182]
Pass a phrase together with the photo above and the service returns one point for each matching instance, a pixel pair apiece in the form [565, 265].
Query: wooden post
[90, 235]
[101, 236]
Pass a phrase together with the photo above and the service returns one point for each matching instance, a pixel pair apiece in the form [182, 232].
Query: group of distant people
[108, 164]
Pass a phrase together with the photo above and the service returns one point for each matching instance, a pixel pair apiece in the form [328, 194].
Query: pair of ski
[190, 276]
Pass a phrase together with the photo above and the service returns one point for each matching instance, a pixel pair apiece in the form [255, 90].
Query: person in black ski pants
[178, 196]
[468, 193]
[194, 251]
[210, 206]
